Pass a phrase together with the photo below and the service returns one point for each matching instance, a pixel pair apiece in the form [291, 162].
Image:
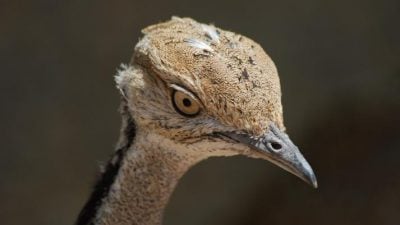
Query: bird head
[210, 91]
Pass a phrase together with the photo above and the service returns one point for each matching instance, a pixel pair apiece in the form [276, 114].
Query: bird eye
[185, 104]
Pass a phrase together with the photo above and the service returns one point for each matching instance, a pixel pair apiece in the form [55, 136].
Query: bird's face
[213, 92]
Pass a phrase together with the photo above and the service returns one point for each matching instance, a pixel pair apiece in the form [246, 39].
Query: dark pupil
[187, 102]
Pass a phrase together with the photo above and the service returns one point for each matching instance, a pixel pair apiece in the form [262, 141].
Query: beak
[276, 147]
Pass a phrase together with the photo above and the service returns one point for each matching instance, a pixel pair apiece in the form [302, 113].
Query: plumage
[191, 91]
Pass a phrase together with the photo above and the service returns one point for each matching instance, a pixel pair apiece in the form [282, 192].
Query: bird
[191, 91]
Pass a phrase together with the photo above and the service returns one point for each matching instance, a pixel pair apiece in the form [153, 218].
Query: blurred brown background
[339, 63]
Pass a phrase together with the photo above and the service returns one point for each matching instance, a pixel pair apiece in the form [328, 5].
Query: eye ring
[185, 104]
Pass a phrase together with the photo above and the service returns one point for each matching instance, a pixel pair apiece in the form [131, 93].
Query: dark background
[339, 64]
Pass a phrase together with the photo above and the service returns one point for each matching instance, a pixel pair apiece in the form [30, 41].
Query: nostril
[276, 145]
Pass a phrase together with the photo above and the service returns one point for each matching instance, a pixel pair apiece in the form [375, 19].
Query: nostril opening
[276, 145]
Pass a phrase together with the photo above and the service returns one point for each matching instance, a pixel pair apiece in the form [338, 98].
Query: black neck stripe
[103, 185]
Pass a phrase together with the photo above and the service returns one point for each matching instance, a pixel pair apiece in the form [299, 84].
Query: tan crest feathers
[220, 65]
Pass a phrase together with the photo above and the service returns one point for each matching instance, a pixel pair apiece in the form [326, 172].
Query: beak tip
[312, 180]
[315, 184]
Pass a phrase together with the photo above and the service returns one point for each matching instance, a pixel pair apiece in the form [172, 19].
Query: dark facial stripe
[102, 187]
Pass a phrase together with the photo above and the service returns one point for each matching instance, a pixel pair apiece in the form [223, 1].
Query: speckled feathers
[237, 88]
[232, 76]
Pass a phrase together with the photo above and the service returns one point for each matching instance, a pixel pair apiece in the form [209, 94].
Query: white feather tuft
[199, 44]
[122, 78]
[211, 32]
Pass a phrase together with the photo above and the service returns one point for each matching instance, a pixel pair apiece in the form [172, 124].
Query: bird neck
[138, 180]
[146, 179]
